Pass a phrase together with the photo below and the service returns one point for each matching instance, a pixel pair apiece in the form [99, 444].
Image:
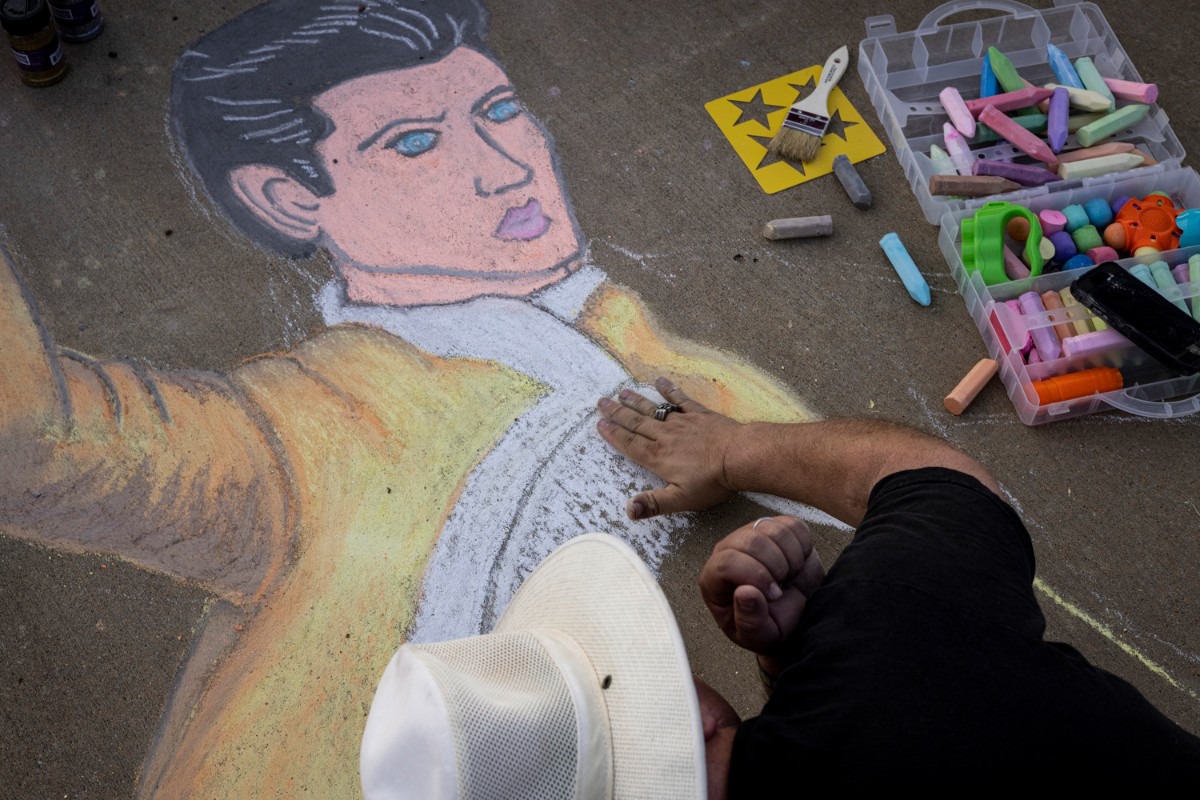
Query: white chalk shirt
[551, 477]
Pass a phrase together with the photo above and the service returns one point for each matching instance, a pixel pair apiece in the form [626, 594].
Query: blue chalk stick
[1064, 71]
[906, 268]
[988, 85]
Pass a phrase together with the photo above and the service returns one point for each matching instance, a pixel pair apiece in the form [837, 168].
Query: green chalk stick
[1005, 72]
[1077, 121]
[1109, 124]
[1093, 81]
[1034, 122]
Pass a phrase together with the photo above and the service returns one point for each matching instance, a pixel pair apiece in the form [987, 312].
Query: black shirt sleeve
[921, 660]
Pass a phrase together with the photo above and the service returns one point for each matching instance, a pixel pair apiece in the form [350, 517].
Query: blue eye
[414, 143]
[503, 110]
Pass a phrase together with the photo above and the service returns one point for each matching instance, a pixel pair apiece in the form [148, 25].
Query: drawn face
[444, 186]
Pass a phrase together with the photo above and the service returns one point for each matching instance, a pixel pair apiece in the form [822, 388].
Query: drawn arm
[171, 471]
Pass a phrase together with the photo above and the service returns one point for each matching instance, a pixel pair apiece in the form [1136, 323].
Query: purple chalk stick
[1048, 345]
[1181, 273]
[1024, 174]
[1056, 125]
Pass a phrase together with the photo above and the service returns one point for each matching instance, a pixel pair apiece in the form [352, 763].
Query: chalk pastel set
[1015, 254]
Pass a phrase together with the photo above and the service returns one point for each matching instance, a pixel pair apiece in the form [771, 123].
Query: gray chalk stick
[852, 182]
[798, 227]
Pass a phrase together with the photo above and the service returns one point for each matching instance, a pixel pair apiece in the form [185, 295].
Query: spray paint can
[34, 41]
[77, 20]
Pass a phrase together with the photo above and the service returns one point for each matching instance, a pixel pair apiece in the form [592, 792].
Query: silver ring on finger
[661, 411]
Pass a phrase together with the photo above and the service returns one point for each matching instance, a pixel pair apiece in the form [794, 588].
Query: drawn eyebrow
[374, 137]
[483, 101]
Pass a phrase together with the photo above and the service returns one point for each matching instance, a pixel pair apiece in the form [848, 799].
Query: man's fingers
[751, 616]
[627, 418]
[676, 396]
[667, 500]
[640, 404]
[625, 441]
[729, 568]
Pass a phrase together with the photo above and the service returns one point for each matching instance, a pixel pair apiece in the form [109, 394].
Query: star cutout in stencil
[769, 158]
[801, 89]
[837, 126]
[754, 110]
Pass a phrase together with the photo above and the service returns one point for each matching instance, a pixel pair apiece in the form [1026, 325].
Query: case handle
[934, 18]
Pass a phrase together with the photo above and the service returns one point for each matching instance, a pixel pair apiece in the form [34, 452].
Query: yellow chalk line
[1107, 633]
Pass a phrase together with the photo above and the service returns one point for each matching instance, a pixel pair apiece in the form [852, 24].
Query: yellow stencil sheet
[749, 119]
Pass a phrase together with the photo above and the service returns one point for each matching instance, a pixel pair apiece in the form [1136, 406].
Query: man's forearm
[833, 465]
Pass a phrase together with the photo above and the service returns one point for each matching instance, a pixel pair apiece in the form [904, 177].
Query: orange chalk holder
[1149, 222]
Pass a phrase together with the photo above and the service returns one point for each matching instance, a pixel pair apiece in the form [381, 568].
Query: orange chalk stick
[1053, 301]
[969, 387]
[1078, 384]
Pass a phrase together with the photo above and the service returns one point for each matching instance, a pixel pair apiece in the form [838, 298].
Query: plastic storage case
[904, 72]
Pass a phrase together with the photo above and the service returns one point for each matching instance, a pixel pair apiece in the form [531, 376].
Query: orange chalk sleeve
[957, 401]
[1078, 384]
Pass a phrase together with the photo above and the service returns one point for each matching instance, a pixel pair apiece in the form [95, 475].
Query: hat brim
[596, 590]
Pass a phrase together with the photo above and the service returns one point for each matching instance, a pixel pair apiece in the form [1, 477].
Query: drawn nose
[498, 171]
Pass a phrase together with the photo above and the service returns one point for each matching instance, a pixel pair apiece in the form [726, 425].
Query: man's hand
[720, 723]
[758, 581]
[687, 449]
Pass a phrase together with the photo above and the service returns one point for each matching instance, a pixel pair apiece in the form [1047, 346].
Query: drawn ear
[277, 199]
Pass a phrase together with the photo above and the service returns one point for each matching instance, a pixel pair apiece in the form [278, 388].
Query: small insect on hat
[583, 690]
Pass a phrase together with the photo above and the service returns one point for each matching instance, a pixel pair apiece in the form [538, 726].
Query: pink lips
[524, 223]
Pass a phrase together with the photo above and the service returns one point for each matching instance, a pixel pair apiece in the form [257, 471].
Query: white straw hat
[582, 691]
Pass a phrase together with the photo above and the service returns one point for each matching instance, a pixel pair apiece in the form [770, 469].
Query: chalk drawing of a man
[399, 473]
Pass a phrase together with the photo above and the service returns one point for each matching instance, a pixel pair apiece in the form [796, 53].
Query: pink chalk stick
[1095, 151]
[960, 117]
[1089, 344]
[1015, 268]
[1130, 90]
[1009, 101]
[1032, 357]
[1020, 138]
[1027, 345]
[1099, 255]
[1052, 221]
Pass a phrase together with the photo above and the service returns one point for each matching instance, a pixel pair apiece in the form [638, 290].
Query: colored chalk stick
[1024, 174]
[1194, 279]
[988, 85]
[1076, 216]
[1104, 165]
[1082, 99]
[971, 385]
[1085, 68]
[906, 268]
[1099, 255]
[957, 147]
[960, 117]
[1092, 344]
[1109, 124]
[1064, 72]
[1014, 267]
[1077, 384]
[1052, 300]
[1034, 123]
[1164, 281]
[1095, 151]
[1048, 345]
[798, 227]
[941, 162]
[1142, 273]
[1020, 138]
[852, 182]
[970, 185]
[1006, 74]
[1086, 238]
[1026, 345]
[1058, 114]
[1077, 121]
[1147, 159]
[1052, 221]
[1075, 311]
[1132, 91]
[1009, 101]
[1098, 211]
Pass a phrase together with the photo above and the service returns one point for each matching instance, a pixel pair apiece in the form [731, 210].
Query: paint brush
[799, 138]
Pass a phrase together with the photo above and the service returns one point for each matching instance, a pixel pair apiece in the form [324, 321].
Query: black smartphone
[1142, 315]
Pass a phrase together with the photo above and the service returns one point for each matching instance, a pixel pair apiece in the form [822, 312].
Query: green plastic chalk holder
[983, 241]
